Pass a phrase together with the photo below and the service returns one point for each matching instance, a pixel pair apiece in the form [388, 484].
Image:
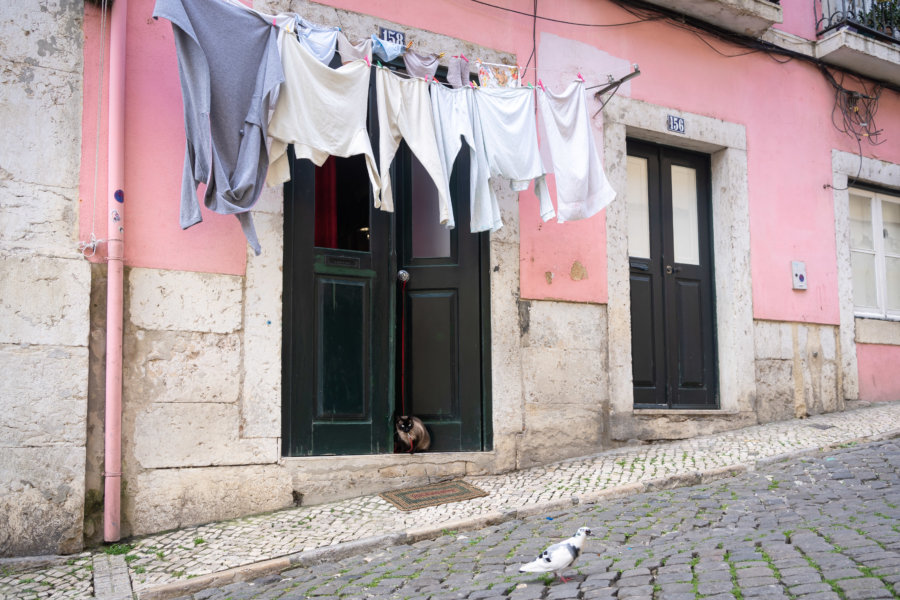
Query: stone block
[43, 398]
[261, 398]
[184, 301]
[41, 111]
[181, 366]
[506, 362]
[41, 500]
[44, 300]
[773, 340]
[173, 498]
[195, 435]
[561, 376]
[558, 431]
[49, 34]
[565, 325]
[38, 218]
[774, 390]
[877, 331]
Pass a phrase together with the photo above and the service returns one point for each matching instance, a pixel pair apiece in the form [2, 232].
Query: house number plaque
[675, 124]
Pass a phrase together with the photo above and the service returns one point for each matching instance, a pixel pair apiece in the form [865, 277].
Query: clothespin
[378, 62]
[472, 83]
[530, 85]
[441, 55]
[541, 83]
[409, 45]
[273, 22]
[368, 64]
[580, 77]
[462, 56]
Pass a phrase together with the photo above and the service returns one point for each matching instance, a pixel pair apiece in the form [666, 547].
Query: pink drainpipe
[116, 257]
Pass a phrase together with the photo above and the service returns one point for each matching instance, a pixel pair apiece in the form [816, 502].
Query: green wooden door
[358, 346]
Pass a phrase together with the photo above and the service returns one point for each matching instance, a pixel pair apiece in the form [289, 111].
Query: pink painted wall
[879, 378]
[786, 109]
[154, 151]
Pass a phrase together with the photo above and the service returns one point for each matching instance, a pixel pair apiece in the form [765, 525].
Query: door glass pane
[684, 215]
[890, 216]
[864, 291]
[861, 222]
[430, 239]
[893, 283]
[342, 204]
[638, 208]
[341, 349]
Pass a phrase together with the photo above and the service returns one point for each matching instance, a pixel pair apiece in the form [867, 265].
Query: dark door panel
[672, 308]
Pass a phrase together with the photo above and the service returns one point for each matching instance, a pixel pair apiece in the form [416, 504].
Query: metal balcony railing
[878, 18]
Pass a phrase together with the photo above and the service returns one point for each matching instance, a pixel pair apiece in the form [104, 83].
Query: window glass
[684, 215]
[342, 204]
[864, 290]
[890, 217]
[430, 239]
[638, 208]
[893, 283]
[861, 222]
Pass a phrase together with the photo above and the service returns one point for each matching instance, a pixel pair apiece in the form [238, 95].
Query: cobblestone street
[812, 528]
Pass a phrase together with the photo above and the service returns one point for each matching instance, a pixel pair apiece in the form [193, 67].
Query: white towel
[404, 111]
[322, 111]
[453, 110]
[509, 130]
[582, 189]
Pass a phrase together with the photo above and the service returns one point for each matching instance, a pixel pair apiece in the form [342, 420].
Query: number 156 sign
[675, 124]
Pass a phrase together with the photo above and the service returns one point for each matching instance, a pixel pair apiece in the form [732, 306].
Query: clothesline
[238, 142]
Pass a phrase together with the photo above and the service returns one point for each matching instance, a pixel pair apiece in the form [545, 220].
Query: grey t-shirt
[229, 67]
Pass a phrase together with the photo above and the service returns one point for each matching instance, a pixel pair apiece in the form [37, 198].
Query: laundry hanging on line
[496, 120]
[227, 88]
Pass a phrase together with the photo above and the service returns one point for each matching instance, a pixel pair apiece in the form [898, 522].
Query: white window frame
[876, 199]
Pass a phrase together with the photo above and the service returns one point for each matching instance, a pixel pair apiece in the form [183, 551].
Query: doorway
[359, 345]
[671, 274]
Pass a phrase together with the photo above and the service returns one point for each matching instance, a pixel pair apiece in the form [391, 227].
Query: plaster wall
[44, 290]
[203, 331]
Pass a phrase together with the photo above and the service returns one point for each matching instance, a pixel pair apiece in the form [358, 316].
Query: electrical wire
[575, 23]
[91, 245]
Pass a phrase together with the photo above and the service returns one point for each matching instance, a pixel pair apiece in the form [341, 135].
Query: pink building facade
[747, 271]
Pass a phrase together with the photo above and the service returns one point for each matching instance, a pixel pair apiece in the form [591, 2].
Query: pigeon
[558, 556]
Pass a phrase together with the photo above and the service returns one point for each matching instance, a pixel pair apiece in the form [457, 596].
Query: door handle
[670, 269]
[403, 275]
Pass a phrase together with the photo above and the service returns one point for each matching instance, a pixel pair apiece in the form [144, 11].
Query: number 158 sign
[675, 124]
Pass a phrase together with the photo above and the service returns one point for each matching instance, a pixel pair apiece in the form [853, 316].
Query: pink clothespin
[368, 64]
[273, 22]
[541, 83]
[581, 78]
[462, 56]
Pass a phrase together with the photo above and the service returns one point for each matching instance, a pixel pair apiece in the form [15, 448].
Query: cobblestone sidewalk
[179, 556]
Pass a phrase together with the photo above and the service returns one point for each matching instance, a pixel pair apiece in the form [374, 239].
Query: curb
[342, 550]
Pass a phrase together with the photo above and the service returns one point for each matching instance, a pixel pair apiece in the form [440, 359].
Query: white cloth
[322, 111]
[458, 71]
[350, 52]
[582, 189]
[421, 65]
[404, 111]
[321, 41]
[509, 130]
[388, 51]
[452, 110]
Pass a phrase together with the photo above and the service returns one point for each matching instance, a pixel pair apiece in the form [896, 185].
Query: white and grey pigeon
[558, 556]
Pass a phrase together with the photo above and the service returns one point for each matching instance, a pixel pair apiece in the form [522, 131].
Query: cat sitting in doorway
[412, 434]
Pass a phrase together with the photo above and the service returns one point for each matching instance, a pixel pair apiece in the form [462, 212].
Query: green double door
[361, 347]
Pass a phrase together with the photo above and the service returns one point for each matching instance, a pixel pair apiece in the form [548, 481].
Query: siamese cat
[412, 434]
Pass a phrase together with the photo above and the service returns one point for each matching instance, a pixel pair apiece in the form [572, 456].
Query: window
[875, 253]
